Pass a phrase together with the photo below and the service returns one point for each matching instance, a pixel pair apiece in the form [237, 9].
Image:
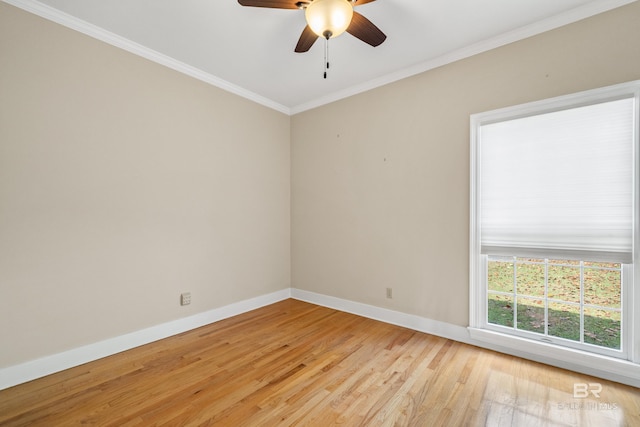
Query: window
[567, 301]
[554, 221]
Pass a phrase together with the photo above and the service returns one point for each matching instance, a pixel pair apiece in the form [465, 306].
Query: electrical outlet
[389, 293]
[185, 298]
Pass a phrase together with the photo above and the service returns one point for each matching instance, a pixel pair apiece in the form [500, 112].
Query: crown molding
[569, 17]
[69, 21]
[566, 18]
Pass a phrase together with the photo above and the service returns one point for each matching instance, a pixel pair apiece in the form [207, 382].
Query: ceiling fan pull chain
[326, 56]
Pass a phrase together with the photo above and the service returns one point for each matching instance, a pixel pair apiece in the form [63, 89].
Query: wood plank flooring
[294, 363]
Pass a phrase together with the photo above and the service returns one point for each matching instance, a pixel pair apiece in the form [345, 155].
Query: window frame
[479, 328]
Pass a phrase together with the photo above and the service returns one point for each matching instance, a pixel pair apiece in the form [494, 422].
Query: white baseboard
[417, 323]
[609, 368]
[603, 367]
[38, 368]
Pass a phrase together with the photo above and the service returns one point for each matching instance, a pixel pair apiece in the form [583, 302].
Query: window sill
[610, 368]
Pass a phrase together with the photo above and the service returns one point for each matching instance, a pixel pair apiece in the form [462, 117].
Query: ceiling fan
[327, 19]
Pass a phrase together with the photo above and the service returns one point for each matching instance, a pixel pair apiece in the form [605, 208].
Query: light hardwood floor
[294, 363]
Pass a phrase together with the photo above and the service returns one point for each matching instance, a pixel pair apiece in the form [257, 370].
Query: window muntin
[577, 302]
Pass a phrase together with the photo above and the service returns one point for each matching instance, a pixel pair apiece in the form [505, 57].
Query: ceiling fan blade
[275, 4]
[361, 2]
[365, 30]
[307, 39]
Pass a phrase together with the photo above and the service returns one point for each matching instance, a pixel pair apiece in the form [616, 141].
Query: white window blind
[559, 184]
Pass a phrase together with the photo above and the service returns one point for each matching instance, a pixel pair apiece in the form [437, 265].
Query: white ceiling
[249, 51]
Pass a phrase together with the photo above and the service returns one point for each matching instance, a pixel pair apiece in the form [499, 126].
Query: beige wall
[380, 181]
[123, 184]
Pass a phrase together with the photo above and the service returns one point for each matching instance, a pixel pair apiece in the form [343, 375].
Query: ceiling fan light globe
[329, 17]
